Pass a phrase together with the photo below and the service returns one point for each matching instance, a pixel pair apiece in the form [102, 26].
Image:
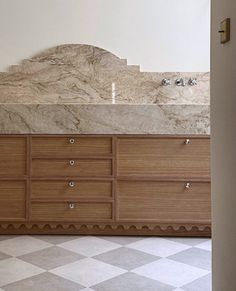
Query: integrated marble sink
[87, 90]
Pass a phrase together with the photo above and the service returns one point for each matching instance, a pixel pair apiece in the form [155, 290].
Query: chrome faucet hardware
[192, 82]
[166, 82]
[180, 82]
[187, 141]
[187, 185]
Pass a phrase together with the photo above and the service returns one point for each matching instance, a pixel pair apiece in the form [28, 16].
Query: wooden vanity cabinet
[164, 157]
[72, 179]
[105, 184]
[13, 178]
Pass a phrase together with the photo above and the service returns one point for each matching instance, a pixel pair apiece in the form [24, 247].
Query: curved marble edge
[104, 119]
[82, 74]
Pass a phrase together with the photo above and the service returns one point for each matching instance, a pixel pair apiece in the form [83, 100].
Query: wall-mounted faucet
[180, 82]
[166, 82]
[192, 82]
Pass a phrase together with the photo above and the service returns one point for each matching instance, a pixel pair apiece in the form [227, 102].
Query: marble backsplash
[86, 74]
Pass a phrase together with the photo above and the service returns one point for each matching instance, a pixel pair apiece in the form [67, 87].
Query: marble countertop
[72, 88]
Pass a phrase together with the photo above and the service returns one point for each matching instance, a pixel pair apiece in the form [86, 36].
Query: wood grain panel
[164, 201]
[62, 168]
[163, 157]
[12, 199]
[60, 146]
[62, 212]
[12, 156]
[56, 190]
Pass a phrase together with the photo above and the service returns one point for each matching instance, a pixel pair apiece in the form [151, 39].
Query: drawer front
[71, 190]
[71, 146]
[164, 157]
[12, 200]
[62, 211]
[164, 201]
[12, 156]
[63, 168]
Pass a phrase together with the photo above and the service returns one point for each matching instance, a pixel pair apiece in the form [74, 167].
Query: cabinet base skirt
[191, 230]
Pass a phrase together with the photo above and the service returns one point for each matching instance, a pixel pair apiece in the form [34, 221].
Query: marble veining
[85, 74]
[104, 119]
[71, 88]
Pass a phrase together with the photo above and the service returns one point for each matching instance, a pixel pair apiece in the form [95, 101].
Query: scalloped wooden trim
[105, 228]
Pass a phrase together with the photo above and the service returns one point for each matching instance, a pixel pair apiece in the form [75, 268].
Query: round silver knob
[71, 184]
[71, 205]
[187, 185]
[187, 141]
[72, 162]
[71, 140]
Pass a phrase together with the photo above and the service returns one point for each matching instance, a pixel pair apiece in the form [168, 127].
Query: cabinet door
[164, 201]
[164, 157]
[12, 200]
[12, 156]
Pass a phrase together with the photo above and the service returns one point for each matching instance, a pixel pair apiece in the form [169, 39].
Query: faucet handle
[180, 82]
[166, 82]
[192, 81]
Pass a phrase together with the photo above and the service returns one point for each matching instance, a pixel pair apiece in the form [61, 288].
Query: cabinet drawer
[164, 157]
[73, 189]
[62, 211]
[71, 146]
[164, 201]
[63, 168]
[12, 156]
[12, 200]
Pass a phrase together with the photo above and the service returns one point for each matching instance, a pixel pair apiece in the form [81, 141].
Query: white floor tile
[13, 269]
[158, 246]
[22, 245]
[89, 246]
[205, 245]
[88, 272]
[170, 272]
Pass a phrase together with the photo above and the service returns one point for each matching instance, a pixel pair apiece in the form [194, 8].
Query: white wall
[160, 35]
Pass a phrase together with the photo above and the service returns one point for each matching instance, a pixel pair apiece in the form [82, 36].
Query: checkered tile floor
[71, 263]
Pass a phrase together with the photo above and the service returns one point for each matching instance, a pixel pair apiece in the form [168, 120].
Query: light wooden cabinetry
[13, 157]
[164, 201]
[71, 168]
[164, 157]
[71, 211]
[73, 189]
[70, 146]
[117, 184]
[13, 178]
[72, 179]
[12, 199]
